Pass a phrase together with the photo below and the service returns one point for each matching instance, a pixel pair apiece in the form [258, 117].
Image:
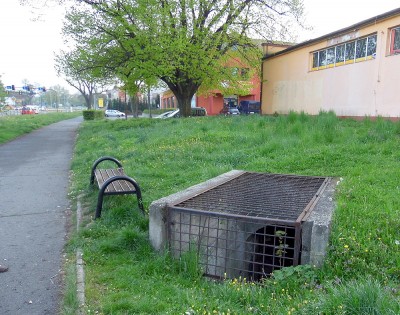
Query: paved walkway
[34, 183]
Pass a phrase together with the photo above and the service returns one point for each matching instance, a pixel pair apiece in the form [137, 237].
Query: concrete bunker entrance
[247, 224]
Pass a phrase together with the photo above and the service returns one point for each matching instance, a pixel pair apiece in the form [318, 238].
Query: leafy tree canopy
[2, 92]
[187, 44]
[75, 67]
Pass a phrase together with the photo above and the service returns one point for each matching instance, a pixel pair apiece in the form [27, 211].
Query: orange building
[168, 100]
[214, 101]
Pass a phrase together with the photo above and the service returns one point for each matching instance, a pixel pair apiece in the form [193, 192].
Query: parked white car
[164, 115]
[196, 111]
[113, 113]
[173, 114]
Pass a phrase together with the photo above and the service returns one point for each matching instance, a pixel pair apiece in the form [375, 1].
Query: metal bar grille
[248, 226]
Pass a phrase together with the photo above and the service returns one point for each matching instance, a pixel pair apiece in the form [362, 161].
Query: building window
[330, 57]
[359, 50]
[371, 47]
[315, 61]
[322, 59]
[395, 40]
[339, 55]
[349, 52]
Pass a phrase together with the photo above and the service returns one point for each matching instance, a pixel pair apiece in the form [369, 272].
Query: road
[34, 208]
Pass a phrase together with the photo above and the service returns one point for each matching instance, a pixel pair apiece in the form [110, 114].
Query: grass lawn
[361, 274]
[14, 126]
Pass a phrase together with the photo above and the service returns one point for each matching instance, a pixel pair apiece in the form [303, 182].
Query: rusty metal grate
[272, 196]
[247, 226]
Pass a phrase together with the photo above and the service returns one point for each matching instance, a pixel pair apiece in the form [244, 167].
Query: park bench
[113, 181]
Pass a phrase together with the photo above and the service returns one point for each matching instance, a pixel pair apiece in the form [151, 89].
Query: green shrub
[92, 114]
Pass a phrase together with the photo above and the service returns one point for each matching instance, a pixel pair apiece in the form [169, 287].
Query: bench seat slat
[118, 186]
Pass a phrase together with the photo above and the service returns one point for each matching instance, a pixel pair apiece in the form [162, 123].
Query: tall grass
[124, 274]
[356, 297]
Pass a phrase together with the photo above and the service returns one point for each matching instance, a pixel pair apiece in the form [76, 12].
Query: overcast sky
[329, 16]
[28, 46]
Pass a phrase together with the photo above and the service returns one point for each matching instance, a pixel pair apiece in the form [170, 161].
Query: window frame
[349, 51]
[322, 59]
[330, 59]
[315, 60]
[339, 52]
[361, 47]
[375, 43]
[392, 40]
[346, 52]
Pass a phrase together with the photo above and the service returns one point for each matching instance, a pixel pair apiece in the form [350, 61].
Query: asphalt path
[34, 206]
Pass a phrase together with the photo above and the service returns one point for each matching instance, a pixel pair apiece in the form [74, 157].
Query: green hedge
[92, 114]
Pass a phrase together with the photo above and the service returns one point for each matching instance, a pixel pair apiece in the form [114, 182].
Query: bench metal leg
[139, 197]
[103, 188]
[99, 205]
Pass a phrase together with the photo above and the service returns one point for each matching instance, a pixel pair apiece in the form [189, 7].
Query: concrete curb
[80, 279]
[80, 272]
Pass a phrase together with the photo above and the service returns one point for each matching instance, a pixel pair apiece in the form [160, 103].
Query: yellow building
[354, 72]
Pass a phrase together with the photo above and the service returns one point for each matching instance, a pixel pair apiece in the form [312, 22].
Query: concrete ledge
[316, 229]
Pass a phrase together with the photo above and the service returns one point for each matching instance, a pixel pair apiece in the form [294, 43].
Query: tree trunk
[184, 92]
[184, 105]
[88, 100]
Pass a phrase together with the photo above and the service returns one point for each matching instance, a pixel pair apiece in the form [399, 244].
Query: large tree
[74, 67]
[187, 44]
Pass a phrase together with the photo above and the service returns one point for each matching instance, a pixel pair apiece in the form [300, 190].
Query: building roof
[337, 33]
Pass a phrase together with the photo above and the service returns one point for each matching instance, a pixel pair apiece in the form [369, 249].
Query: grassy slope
[14, 126]
[124, 275]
